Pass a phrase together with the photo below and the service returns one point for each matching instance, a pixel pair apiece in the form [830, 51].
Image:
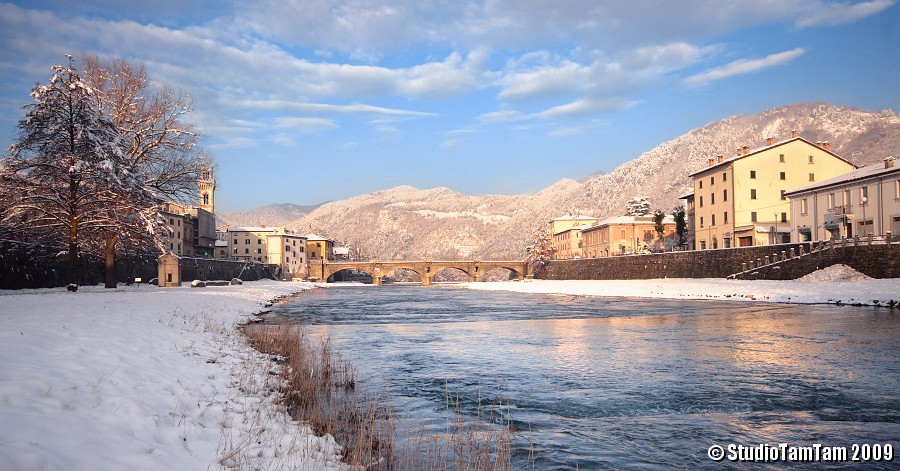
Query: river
[617, 383]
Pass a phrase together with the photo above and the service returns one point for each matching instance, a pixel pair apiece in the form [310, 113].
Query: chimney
[720, 158]
[746, 150]
[826, 145]
[793, 133]
[711, 162]
[770, 140]
[740, 151]
[889, 162]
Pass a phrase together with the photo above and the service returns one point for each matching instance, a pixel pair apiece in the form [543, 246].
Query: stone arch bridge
[425, 268]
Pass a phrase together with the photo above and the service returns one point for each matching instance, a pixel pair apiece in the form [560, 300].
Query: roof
[574, 218]
[252, 229]
[863, 173]
[686, 196]
[221, 243]
[575, 228]
[762, 149]
[313, 236]
[624, 220]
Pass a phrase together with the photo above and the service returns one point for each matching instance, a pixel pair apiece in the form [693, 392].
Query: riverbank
[837, 284]
[145, 378]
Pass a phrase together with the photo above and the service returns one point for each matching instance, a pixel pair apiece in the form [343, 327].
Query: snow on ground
[839, 284]
[144, 378]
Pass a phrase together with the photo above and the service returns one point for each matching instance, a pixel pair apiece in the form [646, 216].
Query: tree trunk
[110, 273]
[73, 254]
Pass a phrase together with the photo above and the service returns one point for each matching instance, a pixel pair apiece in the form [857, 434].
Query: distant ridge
[405, 222]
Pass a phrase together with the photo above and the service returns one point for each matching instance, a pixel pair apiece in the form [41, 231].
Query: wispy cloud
[829, 14]
[305, 125]
[743, 66]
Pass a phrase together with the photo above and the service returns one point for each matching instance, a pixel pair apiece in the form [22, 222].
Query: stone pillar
[168, 272]
[792, 252]
[376, 280]
[426, 280]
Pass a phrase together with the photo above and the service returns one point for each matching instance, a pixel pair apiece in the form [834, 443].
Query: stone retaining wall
[876, 261]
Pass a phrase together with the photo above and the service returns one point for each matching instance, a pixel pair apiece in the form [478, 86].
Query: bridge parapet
[426, 269]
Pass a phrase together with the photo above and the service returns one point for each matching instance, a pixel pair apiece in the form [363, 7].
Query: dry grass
[321, 389]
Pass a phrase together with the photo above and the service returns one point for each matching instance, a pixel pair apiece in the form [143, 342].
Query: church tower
[207, 186]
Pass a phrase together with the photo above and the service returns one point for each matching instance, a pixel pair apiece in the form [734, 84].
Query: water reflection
[612, 384]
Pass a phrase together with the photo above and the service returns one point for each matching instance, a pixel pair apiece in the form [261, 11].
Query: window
[171, 221]
[258, 250]
[724, 195]
[782, 195]
[702, 245]
[235, 250]
[247, 241]
[783, 217]
[205, 198]
[753, 174]
[712, 222]
[897, 189]
[810, 159]
[258, 241]
[701, 201]
[712, 198]
[302, 249]
[294, 243]
[781, 176]
[287, 248]
[701, 184]
[701, 221]
[753, 216]
[246, 251]
[287, 260]
[781, 158]
[830, 200]
[725, 177]
[812, 177]
[235, 241]
[804, 206]
[725, 220]
[712, 180]
[753, 193]
[847, 198]
[863, 193]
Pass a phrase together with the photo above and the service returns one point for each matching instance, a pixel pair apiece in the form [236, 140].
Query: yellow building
[319, 248]
[249, 244]
[180, 240]
[567, 243]
[288, 250]
[740, 201]
[625, 235]
[568, 222]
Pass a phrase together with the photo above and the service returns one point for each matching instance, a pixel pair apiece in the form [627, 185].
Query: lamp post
[863, 202]
[775, 234]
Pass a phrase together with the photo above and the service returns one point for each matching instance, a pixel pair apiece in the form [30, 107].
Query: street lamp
[775, 234]
[863, 202]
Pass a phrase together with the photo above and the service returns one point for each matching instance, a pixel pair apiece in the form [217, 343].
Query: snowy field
[838, 284]
[144, 378]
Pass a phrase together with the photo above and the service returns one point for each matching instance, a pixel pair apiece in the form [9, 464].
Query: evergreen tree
[67, 179]
[680, 224]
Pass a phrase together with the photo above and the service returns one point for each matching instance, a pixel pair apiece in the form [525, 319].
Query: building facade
[568, 222]
[288, 250]
[625, 235]
[861, 202]
[567, 243]
[319, 248]
[741, 201]
[249, 244]
[180, 239]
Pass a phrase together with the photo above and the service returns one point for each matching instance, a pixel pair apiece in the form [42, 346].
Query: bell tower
[207, 186]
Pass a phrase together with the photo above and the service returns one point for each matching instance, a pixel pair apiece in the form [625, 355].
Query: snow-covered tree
[540, 252]
[161, 149]
[67, 177]
[637, 206]
[658, 225]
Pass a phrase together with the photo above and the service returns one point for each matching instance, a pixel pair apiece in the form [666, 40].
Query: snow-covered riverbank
[144, 378]
[837, 284]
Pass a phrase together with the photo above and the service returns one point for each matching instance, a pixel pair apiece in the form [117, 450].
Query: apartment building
[180, 239]
[567, 243]
[861, 202]
[741, 200]
[288, 250]
[319, 248]
[250, 244]
[624, 235]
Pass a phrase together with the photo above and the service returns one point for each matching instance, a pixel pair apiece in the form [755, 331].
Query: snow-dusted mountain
[270, 215]
[405, 222]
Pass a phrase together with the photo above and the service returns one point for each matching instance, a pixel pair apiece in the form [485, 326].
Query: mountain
[270, 215]
[406, 222]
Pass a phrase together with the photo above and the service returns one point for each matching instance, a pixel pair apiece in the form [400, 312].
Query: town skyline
[307, 104]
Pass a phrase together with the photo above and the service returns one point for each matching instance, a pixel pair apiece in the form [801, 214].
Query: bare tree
[162, 149]
[540, 252]
[67, 177]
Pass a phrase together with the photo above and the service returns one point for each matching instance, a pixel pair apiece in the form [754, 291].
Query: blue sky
[309, 101]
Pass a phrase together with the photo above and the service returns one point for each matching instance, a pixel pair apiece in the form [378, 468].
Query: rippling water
[612, 383]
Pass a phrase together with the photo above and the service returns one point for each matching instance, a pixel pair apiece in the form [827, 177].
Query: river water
[617, 383]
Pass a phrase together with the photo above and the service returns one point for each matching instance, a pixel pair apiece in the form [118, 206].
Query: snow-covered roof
[869, 171]
[311, 236]
[574, 218]
[620, 220]
[252, 229]
[760, 149]
[580, 227]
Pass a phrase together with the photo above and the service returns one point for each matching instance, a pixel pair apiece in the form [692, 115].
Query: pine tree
[680, 224]
[67, 178]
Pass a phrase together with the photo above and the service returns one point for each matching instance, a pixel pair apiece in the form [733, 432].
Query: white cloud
[834, 14]
[585, 107]
[501, 116]
[305, 125]
[566, 132]
[744, 66]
